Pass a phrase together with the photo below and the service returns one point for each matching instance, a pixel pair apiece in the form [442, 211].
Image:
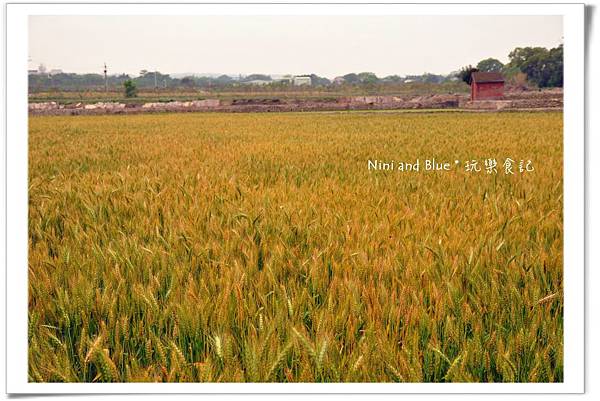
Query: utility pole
[105, 79]
[155, 81]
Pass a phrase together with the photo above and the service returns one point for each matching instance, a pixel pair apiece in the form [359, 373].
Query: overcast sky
[325, 45]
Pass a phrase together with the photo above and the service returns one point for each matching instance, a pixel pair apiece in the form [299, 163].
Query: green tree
[319, 81]
[465, 73]
[555, 67]
[351, 78]
[188, 82]
[257, 77]
[224, 80]
[543, 67]
[431, 78]
[130, 88]
[368, 78]
[490, 65]
[392, 78]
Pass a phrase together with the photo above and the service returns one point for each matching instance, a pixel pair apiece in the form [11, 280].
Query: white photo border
[17, 16]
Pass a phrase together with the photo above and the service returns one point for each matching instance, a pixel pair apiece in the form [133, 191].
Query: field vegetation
[259, 247]
[116, 94]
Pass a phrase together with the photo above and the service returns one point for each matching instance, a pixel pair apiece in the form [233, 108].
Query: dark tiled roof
[480, 77]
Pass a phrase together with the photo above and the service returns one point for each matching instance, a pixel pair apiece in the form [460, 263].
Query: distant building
[258, 82]
[55, 71]
[487, 86]
[287, 79]
[302, 80]
[282, 79]
[338, 80]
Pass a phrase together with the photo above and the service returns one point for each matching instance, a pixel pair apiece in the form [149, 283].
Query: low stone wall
[43, 106]
[250, 105]
[531, 103]
[179, 105]
[551, 93]
[433, 101]
[104, 106]
[546, 99]
[120, 108]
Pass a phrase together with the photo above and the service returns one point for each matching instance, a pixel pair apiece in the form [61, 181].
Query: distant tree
[202, 82]
[465, 73]
[368, 78]
[351, 78]
[188, 82]
[413, 78]
[149, 78]
[543, 67]
[319, 81]
[555, 67]
[517, 79]
[256, 77]
[224, 79]
[452, 77]
[130, 88]
[522, 56]
[392, 78]
[432, 78]
[490, 65]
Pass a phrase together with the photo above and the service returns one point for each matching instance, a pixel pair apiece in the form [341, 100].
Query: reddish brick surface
[487, 90]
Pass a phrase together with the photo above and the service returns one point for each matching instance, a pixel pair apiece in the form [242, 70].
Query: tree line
[534, 65]
[157, 80]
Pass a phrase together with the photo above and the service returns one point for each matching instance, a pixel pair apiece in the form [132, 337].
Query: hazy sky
[325, 45]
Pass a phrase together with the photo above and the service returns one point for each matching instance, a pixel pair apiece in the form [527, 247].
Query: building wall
[487, 90]
[302, 81]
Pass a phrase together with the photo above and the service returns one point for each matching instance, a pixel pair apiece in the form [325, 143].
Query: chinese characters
[508, 167]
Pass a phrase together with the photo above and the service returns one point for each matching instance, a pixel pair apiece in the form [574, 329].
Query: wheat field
[260, 248]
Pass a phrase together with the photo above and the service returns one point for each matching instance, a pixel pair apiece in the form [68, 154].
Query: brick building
[487, 85]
